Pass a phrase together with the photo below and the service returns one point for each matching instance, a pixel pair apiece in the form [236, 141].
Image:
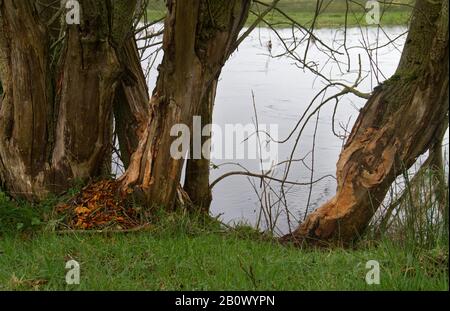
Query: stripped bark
[400, 122]
[131, 104]
[198, 39]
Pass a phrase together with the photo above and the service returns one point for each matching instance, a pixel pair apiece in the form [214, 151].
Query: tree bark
[196, 182]
[56, 112]
[131, 104]
[198, 39]
[399, 123]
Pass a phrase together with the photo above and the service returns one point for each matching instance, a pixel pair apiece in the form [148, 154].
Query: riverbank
[332, 15]
[180, 252]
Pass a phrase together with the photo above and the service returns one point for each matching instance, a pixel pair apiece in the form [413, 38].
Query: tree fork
[198, 39]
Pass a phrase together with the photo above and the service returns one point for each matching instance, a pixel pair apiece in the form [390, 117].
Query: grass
[182, 252]
[143, 261]
[332, 13]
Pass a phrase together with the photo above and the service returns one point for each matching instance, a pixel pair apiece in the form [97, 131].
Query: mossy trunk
[198, 39]
[56, 111]
[400, 121]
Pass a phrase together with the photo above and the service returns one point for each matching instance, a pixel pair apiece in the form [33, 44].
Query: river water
[282, 91]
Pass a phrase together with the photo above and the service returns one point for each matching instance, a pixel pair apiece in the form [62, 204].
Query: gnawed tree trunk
[56, 113]
[398, 124]
[196, 182]
[198, 39]
[131, 104]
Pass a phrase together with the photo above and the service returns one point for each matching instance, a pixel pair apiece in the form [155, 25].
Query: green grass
[180, 254]
[332, 13]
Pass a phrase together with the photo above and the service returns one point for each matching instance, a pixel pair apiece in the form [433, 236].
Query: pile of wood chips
[98, 206]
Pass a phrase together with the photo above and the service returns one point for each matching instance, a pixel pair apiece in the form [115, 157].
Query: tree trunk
[198, 39]
[131, 104]
[399, 123]
[196, 182]
[56, 113]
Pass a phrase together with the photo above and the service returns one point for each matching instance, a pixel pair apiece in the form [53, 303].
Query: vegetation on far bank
[332, 13]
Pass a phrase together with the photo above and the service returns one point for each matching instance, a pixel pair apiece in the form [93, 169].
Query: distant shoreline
[331, 16]
[325, 20]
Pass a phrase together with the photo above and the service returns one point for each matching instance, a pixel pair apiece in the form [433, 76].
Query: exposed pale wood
[198, 39]
[399, 123]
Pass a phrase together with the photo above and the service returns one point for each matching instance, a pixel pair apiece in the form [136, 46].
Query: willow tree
[403, 118]
[59, 82]
[63, 85]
